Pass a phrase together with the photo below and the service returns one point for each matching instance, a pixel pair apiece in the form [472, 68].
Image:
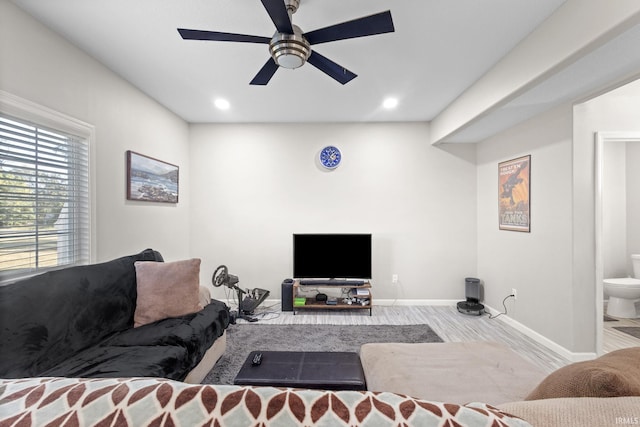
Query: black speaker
[286, 295]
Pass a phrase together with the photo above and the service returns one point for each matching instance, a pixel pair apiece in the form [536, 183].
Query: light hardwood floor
[446, 321]
[612, 339]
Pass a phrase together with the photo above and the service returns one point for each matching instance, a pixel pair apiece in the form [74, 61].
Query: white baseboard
[391, 302]
[407, 302]
[541, 339]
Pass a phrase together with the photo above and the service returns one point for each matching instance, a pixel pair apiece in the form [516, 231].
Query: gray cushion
[458, 372]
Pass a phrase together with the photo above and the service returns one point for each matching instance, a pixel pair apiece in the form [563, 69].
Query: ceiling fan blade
[221, 37]
[379, 23]
[330, 68]
[266, 72]
[277, 10]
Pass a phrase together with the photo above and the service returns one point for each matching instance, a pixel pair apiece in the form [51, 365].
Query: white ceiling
[439, 49]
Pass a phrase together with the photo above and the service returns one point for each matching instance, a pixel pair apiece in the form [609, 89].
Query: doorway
[611, 217]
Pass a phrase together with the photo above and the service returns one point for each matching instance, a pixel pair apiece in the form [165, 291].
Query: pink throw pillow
[166, 289]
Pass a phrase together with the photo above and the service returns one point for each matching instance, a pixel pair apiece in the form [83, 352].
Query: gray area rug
[634, 331]
[243, 339]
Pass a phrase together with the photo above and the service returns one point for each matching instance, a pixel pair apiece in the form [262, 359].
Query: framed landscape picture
[514, 196]
[151, 180]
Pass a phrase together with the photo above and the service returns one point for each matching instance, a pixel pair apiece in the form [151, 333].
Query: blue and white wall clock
[330, 157]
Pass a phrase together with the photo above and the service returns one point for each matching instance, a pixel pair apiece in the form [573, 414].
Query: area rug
[634, 331]
[245, 338]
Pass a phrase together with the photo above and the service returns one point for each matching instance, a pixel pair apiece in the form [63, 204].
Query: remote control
[257, 359]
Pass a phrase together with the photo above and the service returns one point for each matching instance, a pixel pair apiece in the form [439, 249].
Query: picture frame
[514, 194]
[151, 180]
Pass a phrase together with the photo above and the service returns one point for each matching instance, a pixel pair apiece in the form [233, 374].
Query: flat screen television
[332, 256]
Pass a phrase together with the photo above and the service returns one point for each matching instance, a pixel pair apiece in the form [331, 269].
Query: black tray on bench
[300, 369]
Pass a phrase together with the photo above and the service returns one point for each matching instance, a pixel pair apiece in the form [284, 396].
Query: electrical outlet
[394, 278]
[514, 293]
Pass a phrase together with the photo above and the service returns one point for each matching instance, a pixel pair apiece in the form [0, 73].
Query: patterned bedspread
[159, 402]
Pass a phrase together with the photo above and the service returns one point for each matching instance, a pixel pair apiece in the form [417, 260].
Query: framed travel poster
[514, 195]
[151, 180]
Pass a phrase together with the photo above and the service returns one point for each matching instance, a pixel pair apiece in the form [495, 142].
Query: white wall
[245, 189]
[42, 67]
[552, 267]
[253, 186]
[616, 111]
[536, 264]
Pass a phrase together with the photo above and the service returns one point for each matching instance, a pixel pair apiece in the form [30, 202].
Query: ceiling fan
[291, 48]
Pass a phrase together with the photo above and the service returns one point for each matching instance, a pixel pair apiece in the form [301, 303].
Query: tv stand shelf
[312, 304]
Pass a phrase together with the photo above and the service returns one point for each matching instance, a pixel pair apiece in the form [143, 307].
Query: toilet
[624, 293]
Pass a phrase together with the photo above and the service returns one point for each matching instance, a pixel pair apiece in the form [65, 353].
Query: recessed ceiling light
[390, 103]
[222, 104]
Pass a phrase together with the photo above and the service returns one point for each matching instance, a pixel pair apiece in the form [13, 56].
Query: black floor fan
[248, 300]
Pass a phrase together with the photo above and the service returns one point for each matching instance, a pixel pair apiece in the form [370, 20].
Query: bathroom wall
[621, 207]
[633, 200]
[614, 210]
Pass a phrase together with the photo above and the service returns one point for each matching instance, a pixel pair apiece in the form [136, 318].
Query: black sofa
[78, 322]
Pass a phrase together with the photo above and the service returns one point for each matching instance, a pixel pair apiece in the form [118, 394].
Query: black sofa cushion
[49, 318]
[116, 362]
[169, 348]
[190, 329]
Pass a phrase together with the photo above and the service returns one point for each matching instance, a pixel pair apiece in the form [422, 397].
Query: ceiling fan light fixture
[290, 50]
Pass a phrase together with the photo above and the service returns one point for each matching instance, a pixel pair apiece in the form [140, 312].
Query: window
[44, 198]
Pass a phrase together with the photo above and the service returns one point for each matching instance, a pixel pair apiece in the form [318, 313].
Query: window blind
[44, 188]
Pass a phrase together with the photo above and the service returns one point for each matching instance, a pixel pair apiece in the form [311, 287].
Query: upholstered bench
[459, 372]
[304, 369]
